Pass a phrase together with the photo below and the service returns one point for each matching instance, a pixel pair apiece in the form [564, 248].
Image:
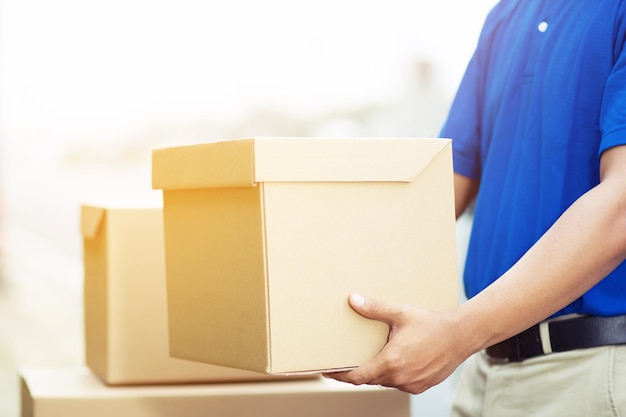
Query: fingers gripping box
[266, 237]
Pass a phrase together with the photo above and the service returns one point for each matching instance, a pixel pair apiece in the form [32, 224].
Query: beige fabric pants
[584, 382]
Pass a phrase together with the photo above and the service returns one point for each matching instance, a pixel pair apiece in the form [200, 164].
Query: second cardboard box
[126, 337]
[266, 237]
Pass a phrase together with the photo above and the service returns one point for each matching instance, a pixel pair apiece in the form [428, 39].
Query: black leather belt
[560, 336]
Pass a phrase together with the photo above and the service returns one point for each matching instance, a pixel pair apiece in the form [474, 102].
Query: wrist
[475, 331]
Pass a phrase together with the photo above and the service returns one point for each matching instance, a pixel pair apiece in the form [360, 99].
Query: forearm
[579, 250]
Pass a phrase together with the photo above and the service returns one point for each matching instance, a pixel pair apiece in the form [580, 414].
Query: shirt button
[543, 26]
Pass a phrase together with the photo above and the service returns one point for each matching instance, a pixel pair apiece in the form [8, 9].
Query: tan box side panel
[319, 252]
[215, 237]
[137, 310]
[26, 400]
[339, 404]
[70, 394]
[96, 299]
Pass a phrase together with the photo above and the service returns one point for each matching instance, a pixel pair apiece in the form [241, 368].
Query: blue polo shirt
[542, 97]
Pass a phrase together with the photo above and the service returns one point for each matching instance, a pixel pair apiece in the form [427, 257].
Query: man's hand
[422, 350]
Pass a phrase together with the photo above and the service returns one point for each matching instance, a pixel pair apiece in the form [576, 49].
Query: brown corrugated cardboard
[77, 393]
[125, 301]
[265, 238]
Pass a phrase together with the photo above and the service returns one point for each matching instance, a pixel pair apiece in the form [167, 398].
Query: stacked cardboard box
[129, 370]
[203, 306]
[78, 393]
[125, 308]
[266, 238]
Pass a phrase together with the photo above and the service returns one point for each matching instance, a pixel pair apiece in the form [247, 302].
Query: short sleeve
[613, 114]
[463, 124]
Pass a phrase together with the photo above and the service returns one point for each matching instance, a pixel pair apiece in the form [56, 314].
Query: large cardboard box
[125, 300]
[266, 238]
[77, 393]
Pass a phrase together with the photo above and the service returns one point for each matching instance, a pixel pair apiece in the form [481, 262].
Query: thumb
[372, 309]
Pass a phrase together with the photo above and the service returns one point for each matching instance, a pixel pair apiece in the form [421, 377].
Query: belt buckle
[506, 351]
[496, 360]
[534, 341]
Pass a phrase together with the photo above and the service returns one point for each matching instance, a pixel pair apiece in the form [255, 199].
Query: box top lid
[92, 214]
[245, 162]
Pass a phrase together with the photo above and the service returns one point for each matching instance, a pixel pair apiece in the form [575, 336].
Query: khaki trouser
[583, 382]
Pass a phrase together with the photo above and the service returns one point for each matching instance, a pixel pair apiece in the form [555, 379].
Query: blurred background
[88, 88]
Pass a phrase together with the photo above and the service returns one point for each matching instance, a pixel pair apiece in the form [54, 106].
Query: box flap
[215, 164]
[244, 162]
[343, 160]
[90, 220]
